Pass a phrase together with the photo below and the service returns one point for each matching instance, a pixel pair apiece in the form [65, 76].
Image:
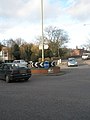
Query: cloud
[9, 8]
[22, 18]
[29, 9]
[13, 13]
[80, 10]
[52, 11]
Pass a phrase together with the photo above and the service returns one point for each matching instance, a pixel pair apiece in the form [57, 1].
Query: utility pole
[42, 32]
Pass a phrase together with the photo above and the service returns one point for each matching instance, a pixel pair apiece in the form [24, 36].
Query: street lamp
[42, 31]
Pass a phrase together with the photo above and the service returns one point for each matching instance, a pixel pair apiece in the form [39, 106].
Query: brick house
[77, 52]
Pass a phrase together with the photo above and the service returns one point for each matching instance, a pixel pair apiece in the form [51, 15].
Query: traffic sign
[53, 64]
[41, 64]
[46, 64]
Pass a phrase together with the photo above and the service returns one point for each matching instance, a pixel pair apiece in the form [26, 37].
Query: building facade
[4, 54]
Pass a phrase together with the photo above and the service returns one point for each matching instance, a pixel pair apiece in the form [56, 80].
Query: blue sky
[22, 19]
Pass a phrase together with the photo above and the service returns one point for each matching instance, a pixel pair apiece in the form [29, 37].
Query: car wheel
[7, 79]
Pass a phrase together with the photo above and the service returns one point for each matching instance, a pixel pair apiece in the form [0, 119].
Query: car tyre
[7, 79]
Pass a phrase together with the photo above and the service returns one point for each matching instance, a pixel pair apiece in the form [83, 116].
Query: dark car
[11, 71]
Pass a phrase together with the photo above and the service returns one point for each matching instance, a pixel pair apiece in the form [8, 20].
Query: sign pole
[42, 32]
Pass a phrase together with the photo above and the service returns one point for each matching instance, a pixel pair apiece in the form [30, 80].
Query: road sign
[45, 46]
[35, 64]
[46, 64]
[41, 64]
[52, 63]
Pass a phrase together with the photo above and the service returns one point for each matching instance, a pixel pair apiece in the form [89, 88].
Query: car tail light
[29, 71]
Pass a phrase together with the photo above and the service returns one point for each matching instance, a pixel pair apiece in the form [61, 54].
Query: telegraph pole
[42, 31]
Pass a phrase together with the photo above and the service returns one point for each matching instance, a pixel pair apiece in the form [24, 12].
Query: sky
[22, 19]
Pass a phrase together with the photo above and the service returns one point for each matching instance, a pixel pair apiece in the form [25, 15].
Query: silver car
[72, 62]
[21, 63]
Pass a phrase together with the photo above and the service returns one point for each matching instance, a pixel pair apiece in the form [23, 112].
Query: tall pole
[42, 32]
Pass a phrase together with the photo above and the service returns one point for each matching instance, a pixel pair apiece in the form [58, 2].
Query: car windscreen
[71, 59]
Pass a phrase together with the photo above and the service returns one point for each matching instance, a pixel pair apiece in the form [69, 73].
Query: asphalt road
[52, 97]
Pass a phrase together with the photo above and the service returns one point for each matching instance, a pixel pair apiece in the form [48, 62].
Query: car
[21, 62]
[72, 62]
[12, 71]
[86, 56]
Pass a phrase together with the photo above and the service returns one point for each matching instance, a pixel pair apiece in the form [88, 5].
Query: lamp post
[42, 31]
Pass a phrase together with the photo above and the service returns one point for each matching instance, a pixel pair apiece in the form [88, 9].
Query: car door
[2, 71]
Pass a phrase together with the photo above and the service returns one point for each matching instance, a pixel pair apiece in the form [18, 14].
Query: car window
[16, 61]
[0, 65]
[71, 59]
[5, 67]
[22, 61]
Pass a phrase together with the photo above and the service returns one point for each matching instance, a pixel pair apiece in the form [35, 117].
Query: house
[77, 52]
[4, 53]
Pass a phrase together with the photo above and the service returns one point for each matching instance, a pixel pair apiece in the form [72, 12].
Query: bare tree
[87, 45]
[20, 41]
[56, 38]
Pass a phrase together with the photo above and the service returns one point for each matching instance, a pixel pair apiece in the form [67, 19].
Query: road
[48, 97]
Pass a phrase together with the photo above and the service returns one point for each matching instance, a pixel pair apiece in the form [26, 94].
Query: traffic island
[50, 70]
[54, 70]
[39, 71]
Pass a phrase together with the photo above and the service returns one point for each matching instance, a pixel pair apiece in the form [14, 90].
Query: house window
[1, 53]
[5, 54]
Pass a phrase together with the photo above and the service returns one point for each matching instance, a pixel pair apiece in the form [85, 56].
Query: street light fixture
[42, 32]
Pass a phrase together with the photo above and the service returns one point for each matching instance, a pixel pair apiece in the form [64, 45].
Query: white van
[85, 56]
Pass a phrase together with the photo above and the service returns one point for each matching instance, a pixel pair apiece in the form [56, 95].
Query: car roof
[8, 63]
[19, 60]
[12, 64]
[71, 58]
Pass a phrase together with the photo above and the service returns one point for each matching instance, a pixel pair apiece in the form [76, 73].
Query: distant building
[4, 54]
[77, 52]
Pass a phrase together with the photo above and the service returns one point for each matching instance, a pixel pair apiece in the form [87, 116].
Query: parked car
[72, 62]
[11, 71]
[21, 62]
